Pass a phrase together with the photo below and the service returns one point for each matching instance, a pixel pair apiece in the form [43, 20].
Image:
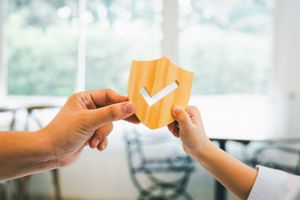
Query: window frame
[3, 83]
[169, 45]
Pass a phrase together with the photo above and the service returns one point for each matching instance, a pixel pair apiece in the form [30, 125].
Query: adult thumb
[111, 113]
[182, 117]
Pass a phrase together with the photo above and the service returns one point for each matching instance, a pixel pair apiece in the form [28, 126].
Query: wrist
[45, 148]
[203, 151]
[24, 153]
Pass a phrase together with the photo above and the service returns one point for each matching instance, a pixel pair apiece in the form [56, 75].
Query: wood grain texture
[155, 75]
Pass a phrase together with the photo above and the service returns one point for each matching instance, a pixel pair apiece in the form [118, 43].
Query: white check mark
[158, 96]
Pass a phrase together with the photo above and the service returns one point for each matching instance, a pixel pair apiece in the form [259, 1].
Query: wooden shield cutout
[155, 87]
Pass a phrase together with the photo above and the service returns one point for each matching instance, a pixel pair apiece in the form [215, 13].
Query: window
[118, 32]
[228, 44]
[55, 47]
[41, 46]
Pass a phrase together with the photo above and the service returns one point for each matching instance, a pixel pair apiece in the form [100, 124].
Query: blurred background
[245, 56]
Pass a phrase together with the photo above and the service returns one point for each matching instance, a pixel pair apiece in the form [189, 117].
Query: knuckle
[106, 129]
[191, 108]
[109, 91]
[181, 117]
[86, 99]
[73, 96]
[100, 136]
[109, 94]
[106, 142]
[113, 112]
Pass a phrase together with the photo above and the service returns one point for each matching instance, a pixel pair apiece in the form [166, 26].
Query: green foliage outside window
[226, 43]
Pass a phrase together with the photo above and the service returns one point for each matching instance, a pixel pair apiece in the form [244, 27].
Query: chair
[23, 183]
[282, 156]
[160, 176]
[9, 126]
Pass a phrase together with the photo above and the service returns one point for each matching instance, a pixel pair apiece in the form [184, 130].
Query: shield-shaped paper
[155, 87]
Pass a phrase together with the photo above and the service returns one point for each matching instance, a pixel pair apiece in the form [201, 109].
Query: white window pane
[228, 44]
[40, 46]
[118, 32]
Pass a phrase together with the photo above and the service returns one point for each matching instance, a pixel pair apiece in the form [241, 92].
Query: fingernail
[103, 146]
[176, 109]
[129, 108]
[97, 143]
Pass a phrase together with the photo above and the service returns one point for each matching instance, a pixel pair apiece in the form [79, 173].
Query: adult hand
[86, 118]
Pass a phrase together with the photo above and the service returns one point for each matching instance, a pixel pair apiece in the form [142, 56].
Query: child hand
[233, 174]
[189, 128]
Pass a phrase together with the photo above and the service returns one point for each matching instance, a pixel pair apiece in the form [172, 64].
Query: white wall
[287, 61]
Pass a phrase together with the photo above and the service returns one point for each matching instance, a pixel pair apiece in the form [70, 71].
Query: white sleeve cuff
[275, 184]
